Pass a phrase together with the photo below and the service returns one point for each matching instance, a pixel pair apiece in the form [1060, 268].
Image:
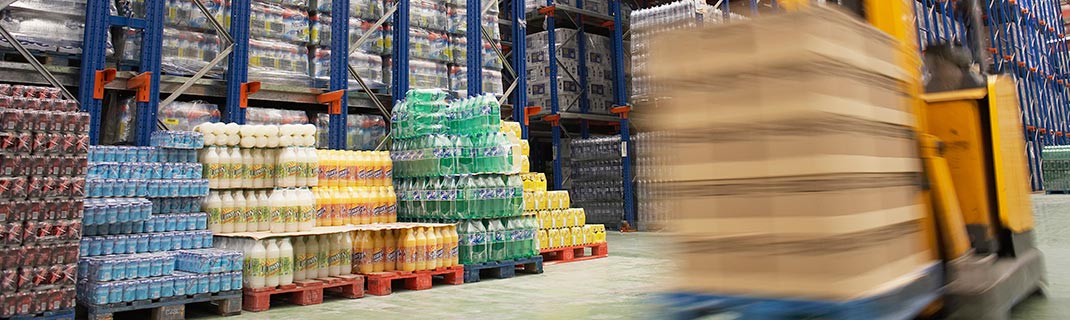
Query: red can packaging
[11, 165]
[77, 189]
[63, 209]
[68, 142]
[70, 296]
[25, 279]
[11, 119]
[52, 93]
[54, 165]
[81, 144]
[6, 211]
[49, 210]
[19, 102]
[7, 102]
[29, 232]
[46, 255]
[70, 273]
[9, 280]
[70, 253]
[21, 91]
[81, 125]
[58, 118]
[24, 303]
[74, 229]
[28, 256]
[14, 233]
[37, 186]
[9, 258]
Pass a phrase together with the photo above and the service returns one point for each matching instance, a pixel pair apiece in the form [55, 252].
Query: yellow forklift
[972, 145]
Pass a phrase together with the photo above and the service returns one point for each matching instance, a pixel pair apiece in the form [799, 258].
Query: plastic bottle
[378, 251]
[257, 167]
[286, 262]
[308, 217]
[213, 205]
[278, 211]
[388, 168]
[300, 259]
[421, 249]
[291, 205]
[312, 160]
[408, 250]
[323, 256]
[440, 245]
[432, 243]
[364, 203]
[271, 264]
[227, 212]
[247, 164]
[359, 251]
[252, 211]
[390, 250]
[392, 205]
[300, 170]
[314, 252]
[263, 211]
[213, 167]
[284, 175]
[254, 266]
[271, 168]
[347, 254]
[235, 168]
[242, 213]
[454, 245]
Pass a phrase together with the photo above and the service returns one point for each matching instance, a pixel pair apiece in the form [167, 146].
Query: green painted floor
[620, 285]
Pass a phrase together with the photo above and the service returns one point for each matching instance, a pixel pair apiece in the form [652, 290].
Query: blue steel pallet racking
[236, 83]
[1026, 41]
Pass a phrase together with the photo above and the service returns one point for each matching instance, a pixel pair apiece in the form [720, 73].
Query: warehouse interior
[610, 159]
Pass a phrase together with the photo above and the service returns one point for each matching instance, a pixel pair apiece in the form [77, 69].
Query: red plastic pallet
[575, 253]
[305, 292]
[380, 283]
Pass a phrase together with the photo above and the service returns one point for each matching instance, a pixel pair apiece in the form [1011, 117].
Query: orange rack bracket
[247, 89]
[141, 83]
[548, 10]
[622, 111]
[101, 79]
[530, 111]
[333, 100]
[553, 119]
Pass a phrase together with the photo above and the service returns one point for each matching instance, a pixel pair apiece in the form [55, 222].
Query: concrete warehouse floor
[620, 285]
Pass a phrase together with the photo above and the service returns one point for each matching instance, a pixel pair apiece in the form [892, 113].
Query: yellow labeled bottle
[440, 247]
[375, 206]
[433, 243]
[543, 242]
[391, 250]
[365, 245]
[378, 251]
[421, 249]
[391, 205]
[363, 201]
[407, 246]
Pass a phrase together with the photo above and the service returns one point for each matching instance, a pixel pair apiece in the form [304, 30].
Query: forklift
[977, 179]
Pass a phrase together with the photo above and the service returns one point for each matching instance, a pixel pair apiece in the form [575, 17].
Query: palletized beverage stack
[453, 163]
[1056, 168]
[145, 236]
[42, 184]
[560, 225]
[802, 181]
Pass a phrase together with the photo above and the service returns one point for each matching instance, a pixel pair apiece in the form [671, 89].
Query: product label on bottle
[230, 215]
[236, 170]
[362, 174]
[263, 214]
[388, 173]
[407, 255]
[277, 215]
[214, 215]
[321, 213]
[306, 214]
[286, 266]
[254, 267]
[289, 214]
[215, 171]
[358, 257]
[257, 171]
[391, 254]
[420, 254]
[293, 168]
[377, 173]
[377, 255]
[332, 258]
[437, 254]
[343, 173]
[271, 267]
[453, 251]
[499, 236]
[321, 259]
[477, 238]
[269, 170]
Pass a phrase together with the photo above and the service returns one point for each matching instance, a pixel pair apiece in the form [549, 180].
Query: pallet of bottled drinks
[226, 303]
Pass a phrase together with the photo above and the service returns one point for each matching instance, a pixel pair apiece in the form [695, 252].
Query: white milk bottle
[242, 212]
[252, 209]
[308, 210]
[236, 168]
[271, 264]
[327, 251]
[213, 167]
[248, 165]
[300, 259]
[347, 254]
[227, 212]
[312, 249]
[277, 207]
[285, 175]
[254, 267]
[301, 160]
[335, 267]
[286, 262]
[292, 204]
[263, 219]
[213, 205]
[258, 176]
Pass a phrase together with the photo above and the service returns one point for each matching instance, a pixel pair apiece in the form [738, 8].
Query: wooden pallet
[304, 292]
[381, 283]
[502, 269]
[64, 314]
[575, 253]
[227, 303]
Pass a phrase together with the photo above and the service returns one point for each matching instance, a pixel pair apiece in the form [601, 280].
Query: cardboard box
[782, 40]
[838, 268]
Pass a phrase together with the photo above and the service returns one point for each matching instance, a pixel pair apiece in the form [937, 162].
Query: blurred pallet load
[1055, 166]
[796, 176]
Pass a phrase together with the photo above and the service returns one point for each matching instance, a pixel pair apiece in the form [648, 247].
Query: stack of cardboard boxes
[599, 71]
[794, 164]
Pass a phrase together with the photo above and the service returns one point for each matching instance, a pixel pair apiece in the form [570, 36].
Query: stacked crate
[803, 180]
[569, 88]
[369, 58]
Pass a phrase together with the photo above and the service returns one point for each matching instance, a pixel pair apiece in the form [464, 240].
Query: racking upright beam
[400, 79]
[519, 28]
[238, 66]
[98, 19]
[621, 100]
[474, 34]
[555, 129]
[339, 77]
[581, 49]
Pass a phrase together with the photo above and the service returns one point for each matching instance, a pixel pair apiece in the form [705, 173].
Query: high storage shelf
[1024, 39]
[236, 87]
